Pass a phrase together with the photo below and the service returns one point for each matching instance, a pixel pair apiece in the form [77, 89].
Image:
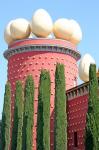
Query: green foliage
[43, 120]
[18, 118]
[92, 119]
[6, 118]
[60, 130]
[28, 114]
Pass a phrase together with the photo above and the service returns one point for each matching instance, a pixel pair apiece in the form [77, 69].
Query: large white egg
[42, 24]
[7, 34]
[20, 29]
[62, 29]
[84, 66]
[76, 32]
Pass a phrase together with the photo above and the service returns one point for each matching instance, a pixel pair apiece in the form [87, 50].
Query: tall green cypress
[92, 119]
[28, 114]
[43, 119]
[18, 118]
[60, 128]
[6, 118]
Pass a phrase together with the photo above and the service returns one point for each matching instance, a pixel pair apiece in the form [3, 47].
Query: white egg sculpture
[7, 34]
[20, 29]
[42, 24]
[84, 66]
[76, 36]
[62, 29]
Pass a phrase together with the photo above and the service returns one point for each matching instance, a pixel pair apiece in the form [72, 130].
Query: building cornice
[47, 48]
[79, 90]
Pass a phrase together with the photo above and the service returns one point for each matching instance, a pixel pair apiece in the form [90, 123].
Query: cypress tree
[43, 119]
[6, 118]
[28, 114]
[18, 118]
[92, 118]
[60, 126]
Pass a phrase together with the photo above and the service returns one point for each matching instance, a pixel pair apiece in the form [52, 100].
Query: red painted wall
[77, 109]
[44, 41]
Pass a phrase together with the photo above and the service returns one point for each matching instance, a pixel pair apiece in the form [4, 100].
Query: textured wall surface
[77, 109]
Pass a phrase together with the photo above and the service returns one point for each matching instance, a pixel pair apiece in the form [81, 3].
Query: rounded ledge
[50, 45]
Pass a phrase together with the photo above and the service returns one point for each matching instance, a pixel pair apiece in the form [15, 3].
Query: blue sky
[86, 12]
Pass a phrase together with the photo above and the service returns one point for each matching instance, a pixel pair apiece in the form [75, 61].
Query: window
[75, 139]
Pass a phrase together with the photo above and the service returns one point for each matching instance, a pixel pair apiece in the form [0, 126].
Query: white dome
[84, 66]
[62, 29]
[76, 32]
[7, 34]
[42, 24]
[20, 28]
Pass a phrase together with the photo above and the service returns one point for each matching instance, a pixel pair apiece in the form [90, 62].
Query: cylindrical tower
[30, 56]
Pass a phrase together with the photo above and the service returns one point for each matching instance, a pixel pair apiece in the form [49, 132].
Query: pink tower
[30, 56]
